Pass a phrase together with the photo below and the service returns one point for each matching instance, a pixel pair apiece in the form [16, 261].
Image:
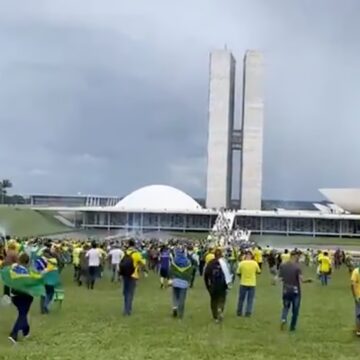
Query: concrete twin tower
[224, 139]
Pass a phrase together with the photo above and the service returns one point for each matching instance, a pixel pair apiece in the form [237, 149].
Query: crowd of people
[32, 268]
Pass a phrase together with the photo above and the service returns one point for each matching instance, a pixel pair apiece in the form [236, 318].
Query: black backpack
[217, 278]
[127, 266]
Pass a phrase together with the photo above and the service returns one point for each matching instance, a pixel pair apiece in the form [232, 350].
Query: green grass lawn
[278, 240]
[20, 221]
[90, 325]
[281, 241]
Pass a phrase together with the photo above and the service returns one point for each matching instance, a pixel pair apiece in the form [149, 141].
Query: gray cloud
[104, 97]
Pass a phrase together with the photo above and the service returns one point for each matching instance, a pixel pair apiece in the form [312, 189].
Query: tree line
[5, 198]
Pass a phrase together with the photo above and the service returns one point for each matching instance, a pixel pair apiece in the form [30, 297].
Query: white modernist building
[252, 132]
[163, 208]
[223, 139]
[221, 122]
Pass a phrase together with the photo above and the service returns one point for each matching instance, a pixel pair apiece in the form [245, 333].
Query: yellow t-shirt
[210, 256]
[52, 264]
[325, 264]
[138, 262]
[76, 256]
[355, 281]
[102, 253]
[285, 257]
[248, 269]
[258, 256]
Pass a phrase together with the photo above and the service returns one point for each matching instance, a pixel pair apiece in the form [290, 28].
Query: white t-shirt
[93, 256]
[116, 256]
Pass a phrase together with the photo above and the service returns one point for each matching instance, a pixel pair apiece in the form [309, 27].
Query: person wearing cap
[291, 276]
[247, 271]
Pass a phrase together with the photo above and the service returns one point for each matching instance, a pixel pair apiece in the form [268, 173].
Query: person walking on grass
[355, 289]
[76, 261]
[51, 276]
[24, 285]
[247, 271]
[218, 279]
[94, 260]
[130, 266]
[11, 257]
[115, 255]
[180, 273]
[325, 268]
[194, 259]
[164, 266]
[291, 275]
[84, 265]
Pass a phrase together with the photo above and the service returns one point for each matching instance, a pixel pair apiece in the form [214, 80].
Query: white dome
[347, 198]
[158, 197]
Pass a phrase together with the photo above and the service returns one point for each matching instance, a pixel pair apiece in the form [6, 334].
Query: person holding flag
[25, 285]
[180, 273]
[51, 275]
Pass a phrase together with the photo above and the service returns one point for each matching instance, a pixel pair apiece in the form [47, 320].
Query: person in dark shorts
[291, 275]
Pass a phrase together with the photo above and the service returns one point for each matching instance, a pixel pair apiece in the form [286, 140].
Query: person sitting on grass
[180, 273]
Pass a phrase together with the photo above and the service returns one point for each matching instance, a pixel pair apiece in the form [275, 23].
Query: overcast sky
[106, 96]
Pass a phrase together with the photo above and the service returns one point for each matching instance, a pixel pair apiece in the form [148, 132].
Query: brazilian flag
[52, 277]
[18, 278]
[181, 272]
[49, 270]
